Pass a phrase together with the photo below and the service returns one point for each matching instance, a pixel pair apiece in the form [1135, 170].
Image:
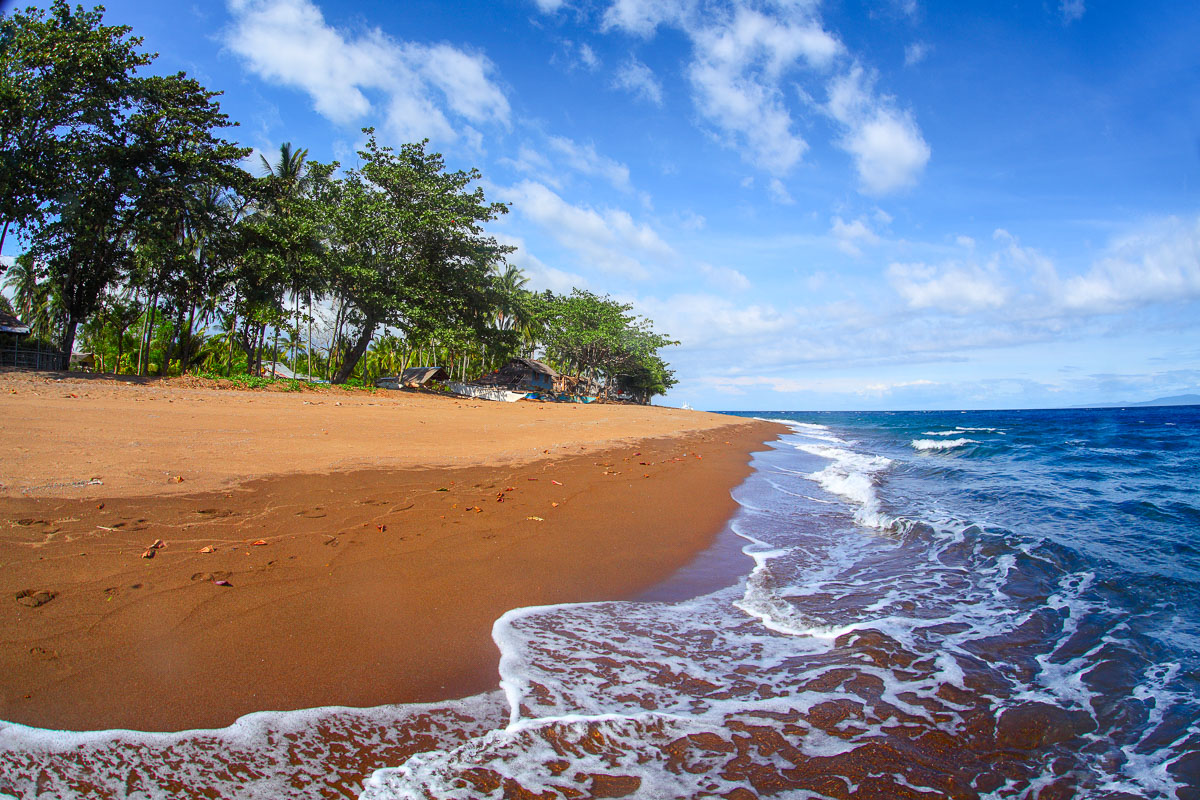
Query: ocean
[907, 605]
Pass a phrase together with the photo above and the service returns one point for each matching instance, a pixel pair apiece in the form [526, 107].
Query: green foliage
[407, 245]
[589, 334]
[63, 78]
[144, 230]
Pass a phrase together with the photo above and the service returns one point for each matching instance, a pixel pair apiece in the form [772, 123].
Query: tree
[23, 278]
[596, 335]
[133, 177]
[62, 72]
[407, 246]
[288, 229]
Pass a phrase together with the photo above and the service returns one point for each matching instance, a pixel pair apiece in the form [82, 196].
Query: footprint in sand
[215, 512]
[33, 598]
[211, 576]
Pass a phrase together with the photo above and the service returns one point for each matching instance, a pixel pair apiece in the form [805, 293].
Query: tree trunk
[185, 357]
[356, 352]
[262, 340]
[274, 352]
[142, 334]
[308, 342]
[68, 340]
[232, 335]
[176, 333]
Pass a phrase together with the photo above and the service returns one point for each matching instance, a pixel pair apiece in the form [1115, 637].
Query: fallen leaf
[531, 479]
[553, 504]
[510, 488]
[208, 549]
[177, 479]
[556, 483]
[443, 490]
[536, 519]
[149, 553]
[222, 583]
[259, 543]
[158, 544]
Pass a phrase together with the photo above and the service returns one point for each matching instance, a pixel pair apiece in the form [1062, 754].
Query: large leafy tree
[63, 74]
[133, 179]
[285, 238]
[598, 336]
[408, 248]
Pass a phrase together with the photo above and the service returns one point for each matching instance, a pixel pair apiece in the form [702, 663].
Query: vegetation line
[147, 239]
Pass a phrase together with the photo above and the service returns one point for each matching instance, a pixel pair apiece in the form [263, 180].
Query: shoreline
[372, 586]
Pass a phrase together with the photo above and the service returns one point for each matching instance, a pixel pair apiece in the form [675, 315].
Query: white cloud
[744, 57]
[691, 221]
[724, 277]
[585, 159]
[779, 192]
[888, 388]
[418, 86]
[533, 162]
[706, 322]
[915, 53]
[588, 56]
[540, 275]
[1160, 264]
[953, 289]
[736, 71]
[851, 235]
[642, 17]
[885, 142]
[638, 79]
[608, 239]
[1071, 10]
[549, 6]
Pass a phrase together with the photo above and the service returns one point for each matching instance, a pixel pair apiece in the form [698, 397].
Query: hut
[413, 378]
[11, 326]
[521, 374]
[281, 370]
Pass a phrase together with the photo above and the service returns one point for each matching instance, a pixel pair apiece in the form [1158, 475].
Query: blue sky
[844, 205]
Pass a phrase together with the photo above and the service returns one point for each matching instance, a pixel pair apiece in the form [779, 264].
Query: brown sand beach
[174, 556]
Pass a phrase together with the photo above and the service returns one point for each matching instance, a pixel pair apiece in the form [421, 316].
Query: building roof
[10, 324]
[423, 375]
[536, 366]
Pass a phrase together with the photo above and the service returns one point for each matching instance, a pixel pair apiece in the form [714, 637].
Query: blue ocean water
[974, 605]
[961, 605]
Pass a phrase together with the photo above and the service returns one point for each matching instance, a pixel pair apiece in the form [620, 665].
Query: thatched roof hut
[413, 377]
[521, 373]
[12, 326]
[423, 376]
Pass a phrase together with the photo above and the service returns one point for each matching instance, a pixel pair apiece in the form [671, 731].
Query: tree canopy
[144, 227]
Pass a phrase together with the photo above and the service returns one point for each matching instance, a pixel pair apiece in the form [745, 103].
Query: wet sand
[368, 540]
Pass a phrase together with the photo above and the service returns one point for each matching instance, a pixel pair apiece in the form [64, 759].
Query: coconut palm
[22, 278]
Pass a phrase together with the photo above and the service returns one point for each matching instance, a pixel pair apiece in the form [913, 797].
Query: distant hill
[1173, 400]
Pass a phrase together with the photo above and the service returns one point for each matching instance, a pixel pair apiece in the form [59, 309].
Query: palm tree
[22, 278]
[509, 285]
[291, 182]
